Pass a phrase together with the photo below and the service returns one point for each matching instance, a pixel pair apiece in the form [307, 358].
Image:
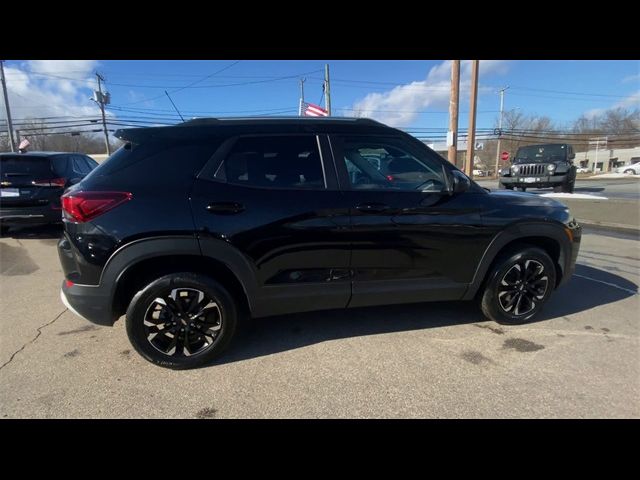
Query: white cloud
[632, 78]
[398, 106]
[630, 102]
[36, 89]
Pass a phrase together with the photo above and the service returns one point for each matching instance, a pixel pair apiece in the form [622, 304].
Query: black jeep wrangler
[541, 166]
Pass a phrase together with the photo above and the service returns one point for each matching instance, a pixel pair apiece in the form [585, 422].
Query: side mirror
[457, 182]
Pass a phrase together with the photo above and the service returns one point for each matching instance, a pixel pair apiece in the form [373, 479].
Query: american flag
[312, 110]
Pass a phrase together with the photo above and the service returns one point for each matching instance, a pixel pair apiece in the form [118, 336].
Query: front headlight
[515, 169]
[551, 167]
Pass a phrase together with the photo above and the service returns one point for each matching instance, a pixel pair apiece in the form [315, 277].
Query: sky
[401, 93]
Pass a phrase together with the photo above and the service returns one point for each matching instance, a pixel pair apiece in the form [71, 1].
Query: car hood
[522, 198]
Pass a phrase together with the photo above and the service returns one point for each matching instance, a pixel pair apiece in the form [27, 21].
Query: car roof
[199, 127]
[36, 154]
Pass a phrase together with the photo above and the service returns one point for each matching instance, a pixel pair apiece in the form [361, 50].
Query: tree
[621, 125]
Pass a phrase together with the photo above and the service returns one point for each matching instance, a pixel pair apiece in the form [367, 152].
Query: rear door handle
[225, 208]
[373, 207]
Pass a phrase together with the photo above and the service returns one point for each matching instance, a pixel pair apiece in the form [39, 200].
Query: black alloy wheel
[519, 284]
[181, 320]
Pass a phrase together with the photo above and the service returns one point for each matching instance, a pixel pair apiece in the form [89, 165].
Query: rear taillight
[84, 206]
[50, 182]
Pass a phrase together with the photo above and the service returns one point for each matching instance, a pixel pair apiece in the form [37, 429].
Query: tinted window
[274, 162]
[91, 162]
[25, 165]
[153, 163]
[387, 163]
[60, 163]
[541, 153]
[79, 165]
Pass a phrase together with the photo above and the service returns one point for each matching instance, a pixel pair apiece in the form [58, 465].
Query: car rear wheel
[181, 320]
[630, 171]
[519, 284]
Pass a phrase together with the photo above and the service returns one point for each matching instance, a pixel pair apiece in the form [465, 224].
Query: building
[607, 159]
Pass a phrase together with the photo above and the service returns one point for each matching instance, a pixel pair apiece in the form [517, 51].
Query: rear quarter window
[153, 163]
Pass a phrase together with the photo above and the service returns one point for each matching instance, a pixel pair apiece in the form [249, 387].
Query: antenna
[174, 106]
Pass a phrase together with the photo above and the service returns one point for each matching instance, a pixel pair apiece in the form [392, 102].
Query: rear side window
[60, 163]
[291, 162]
[154, 163]
[80, 165]
[92, 163]
[25, 165]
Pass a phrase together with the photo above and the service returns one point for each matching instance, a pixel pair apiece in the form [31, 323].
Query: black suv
[541, 166]
[186, 229]
[31, 185]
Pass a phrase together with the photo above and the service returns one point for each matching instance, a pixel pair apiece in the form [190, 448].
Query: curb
[610, 226]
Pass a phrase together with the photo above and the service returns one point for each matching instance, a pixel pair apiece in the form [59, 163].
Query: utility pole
[101, 102]
[327, 89]
[500, 128]
[6, 104]
[598, 140]
[454, 100]
[300, 107]
[471, 135]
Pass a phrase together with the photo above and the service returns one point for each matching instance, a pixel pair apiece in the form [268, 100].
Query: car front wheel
[181, 320]
[519, 284]
[630, 171]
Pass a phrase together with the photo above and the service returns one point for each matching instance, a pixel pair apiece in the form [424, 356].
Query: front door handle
[225, 208]
[373, 207]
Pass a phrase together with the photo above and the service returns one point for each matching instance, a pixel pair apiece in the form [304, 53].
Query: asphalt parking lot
[580, 359]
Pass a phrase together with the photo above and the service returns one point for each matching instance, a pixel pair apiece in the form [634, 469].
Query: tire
[495, 302]
[523, 189]
[629, 170]
[569, 187]
[208, 335]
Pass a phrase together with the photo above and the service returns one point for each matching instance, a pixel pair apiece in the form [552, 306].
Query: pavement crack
[39, 330]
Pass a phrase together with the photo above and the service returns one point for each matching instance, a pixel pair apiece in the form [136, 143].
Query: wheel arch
[137, 263]
[550, 237]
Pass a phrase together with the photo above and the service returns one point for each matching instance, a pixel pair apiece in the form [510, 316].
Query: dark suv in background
[541, 166]
[31, 185]
[188, 229]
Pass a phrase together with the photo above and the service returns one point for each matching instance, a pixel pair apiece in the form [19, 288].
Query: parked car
[190, 229]
[582, 170]
[542, 166]
[633, 169]
[478, 173]
[31, 185]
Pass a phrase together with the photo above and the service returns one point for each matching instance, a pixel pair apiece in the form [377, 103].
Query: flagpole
[302, 80]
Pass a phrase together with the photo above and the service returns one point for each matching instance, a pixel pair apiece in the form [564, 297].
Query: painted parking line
[633, 292]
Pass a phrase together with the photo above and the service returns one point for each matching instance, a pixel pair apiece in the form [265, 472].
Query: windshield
[541, 153]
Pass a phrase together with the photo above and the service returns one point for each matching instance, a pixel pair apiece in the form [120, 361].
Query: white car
[478, 173]
[633, 169]
[582, 170]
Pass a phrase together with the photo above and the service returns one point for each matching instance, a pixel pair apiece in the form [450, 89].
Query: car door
[412, 239]
[273, 198]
